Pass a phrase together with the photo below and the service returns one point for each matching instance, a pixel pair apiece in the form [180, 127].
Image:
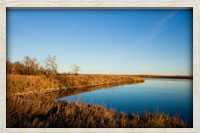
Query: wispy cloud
[162, 22]
[157, 29]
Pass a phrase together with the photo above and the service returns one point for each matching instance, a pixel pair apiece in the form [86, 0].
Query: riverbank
[28, 104]
[39, 111]
[41, 84]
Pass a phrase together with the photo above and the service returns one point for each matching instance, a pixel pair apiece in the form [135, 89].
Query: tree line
[31, 66]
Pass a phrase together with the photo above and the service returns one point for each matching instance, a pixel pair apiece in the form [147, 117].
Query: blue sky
[104, 41]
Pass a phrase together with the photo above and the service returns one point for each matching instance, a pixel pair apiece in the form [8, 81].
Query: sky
[133, 41]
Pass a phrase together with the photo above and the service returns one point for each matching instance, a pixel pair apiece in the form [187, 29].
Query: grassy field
[24, 84]
[28, 104]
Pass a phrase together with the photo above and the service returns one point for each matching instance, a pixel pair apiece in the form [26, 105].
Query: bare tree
[51, 65]
[31, 62]
[75, 69]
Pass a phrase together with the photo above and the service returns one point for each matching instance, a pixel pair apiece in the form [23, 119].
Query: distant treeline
[167, 76]
[31, 66]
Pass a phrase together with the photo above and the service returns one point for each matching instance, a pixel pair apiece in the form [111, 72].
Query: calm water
[171, 96]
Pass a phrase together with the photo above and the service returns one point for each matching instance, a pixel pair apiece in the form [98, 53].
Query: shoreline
[129, 79]
[80, 88]
[142, 75]
[40, 109]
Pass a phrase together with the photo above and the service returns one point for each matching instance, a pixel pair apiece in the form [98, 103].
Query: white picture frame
[107, 4]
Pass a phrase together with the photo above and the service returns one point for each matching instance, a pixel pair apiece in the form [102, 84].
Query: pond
[172, 96]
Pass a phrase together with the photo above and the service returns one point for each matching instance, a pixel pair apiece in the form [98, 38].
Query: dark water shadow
[75, 91]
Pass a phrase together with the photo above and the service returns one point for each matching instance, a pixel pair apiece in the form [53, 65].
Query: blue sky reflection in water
[165, 95]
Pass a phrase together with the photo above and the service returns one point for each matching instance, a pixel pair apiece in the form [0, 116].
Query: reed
[40, 111]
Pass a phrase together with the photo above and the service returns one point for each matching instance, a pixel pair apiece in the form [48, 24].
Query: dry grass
[41, 83]
[28, 109]
[35, 111]
[42, 111]
[22, 83]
